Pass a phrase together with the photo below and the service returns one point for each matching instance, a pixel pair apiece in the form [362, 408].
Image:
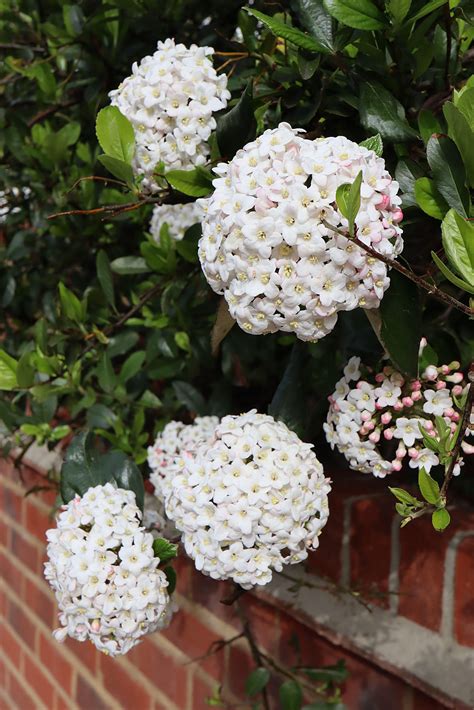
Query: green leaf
[73, 19]
[404, 496]
[329, 674]
[426, 9]
[164, 549]
[317, 21]
[348, 201]
[359, 14]
[104, 274]
[171, 577]
[288, 400]
[291, 34]
[428, 486]
[400, 333]
[130, 265]
[115, 134]
[448, 172]
[71, 307]
[84, 467]
[374, 143]
[429, 199]
[189, 396]
[8, 368]
[238, 126]
[291, 695]
[460, 283]
[428, 124]
[465, 104]
[25, 372]
[257, 681]
[398, 10]
[462, 134]
[150, 400]
[458, 243]
[182, 341]
[440, 519]
[119, 168]
[381, 112]
[195, 183]
[131, 366]
[105, 373]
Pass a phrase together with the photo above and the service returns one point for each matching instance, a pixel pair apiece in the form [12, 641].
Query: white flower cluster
[173, 446]
[265, 245]
[374, 418]
[169, 99]
[104, 573]
[251, 502]
[178, 218]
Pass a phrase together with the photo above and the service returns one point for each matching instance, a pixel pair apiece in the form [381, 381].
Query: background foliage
[100, 326]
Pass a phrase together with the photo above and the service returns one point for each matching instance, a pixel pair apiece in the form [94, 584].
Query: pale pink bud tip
[386, 418]
[397, 465]
[388, 434]
[407, 402]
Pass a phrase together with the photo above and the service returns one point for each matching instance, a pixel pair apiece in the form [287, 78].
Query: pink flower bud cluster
[374, 418]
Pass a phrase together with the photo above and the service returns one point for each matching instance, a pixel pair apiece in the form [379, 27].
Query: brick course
[37, 672]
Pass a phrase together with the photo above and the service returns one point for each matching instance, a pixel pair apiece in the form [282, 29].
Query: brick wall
[37, 672]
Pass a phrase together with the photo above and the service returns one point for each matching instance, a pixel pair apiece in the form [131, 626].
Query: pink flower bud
[370, 425]
[360, 384]
[431, 373]
[413, 453]
[407, 402]
[378, 406]
[453, 427]
[416, 396]
[379, 377]
[374, 437]
[457, 390]
[400, 452]
[428, 424]
[366, 416]
[455, 417]
[95, 626]
[397, 216]
[384, 202]
[398, 406]
[396, 465]
[388, 434]
[440, 385]
[449, 412]
[386, 418]
[415, 385]
[444, 369]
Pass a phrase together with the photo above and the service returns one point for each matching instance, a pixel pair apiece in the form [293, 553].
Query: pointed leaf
[382, 113]
[104, 274]
[238, 126]
[428, 486]
[257, 681]
[448, 172]
[164, 549]
[317, 21]
[429, 199]
[374, 143]
[8, 367]
[359, 14]
[291, 695]
[115, 134]
[400, 333]
[195, 183]
[460, 283]
[458, 243]
[291, 34]
[462, 134]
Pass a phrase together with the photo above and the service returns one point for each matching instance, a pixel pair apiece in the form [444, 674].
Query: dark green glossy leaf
[315, 18]
[171, 577]
[195, 183]
[448, 172]
[190, 397]
[291, 34]
[429, 199]
[257, 681]
[382, 113]
[291, 695]
[238, 126]
[400, 333]
[130, 265]
[104, 274]
[131, 366]
[374, 143]
[463, 135]
[359, 14]
[164, 549]
[287, 404]
[428, 124]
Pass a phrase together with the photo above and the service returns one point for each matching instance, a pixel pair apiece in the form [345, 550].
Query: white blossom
[250, 502]
[374, 418]
[178, 218]
[102, 568]
[173, 446]
[266, 242]
[169, 99]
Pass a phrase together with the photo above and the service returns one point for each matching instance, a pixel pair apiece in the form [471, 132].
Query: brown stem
[237, 592]
[447, 24]
[419, 280]
[257, 655]
[466, 415]
[49, 111]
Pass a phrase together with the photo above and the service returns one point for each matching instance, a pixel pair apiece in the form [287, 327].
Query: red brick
[209, 593]
[264, 621]
[370, 548]
[8, 571]
[85, 652]
[4, 534]
[464, 593]
[425, 702]
[12, 504]
[421, 571]
[21, 699]
[194, 639]
[50, 654]
[39, 602]
[123, 684]
[37, 521]
[169, 675]
[201, 690]
[240, 665]
[38, 681]
[87, 696]
[10, 645]
[21, 623]
[25, 551]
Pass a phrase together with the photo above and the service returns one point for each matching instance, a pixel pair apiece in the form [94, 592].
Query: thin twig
[447, 24]
[257, 655]
[49, 111]
[237, 592]
[419, 280]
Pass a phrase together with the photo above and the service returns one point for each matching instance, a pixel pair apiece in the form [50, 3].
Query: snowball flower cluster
[169, 99]
[173, 446]
[251, 502]
[104, 573]
[266, 246]
[178, 218]
[374, 418]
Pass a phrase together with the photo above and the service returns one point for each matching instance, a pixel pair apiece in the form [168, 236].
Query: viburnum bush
[302, 170]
